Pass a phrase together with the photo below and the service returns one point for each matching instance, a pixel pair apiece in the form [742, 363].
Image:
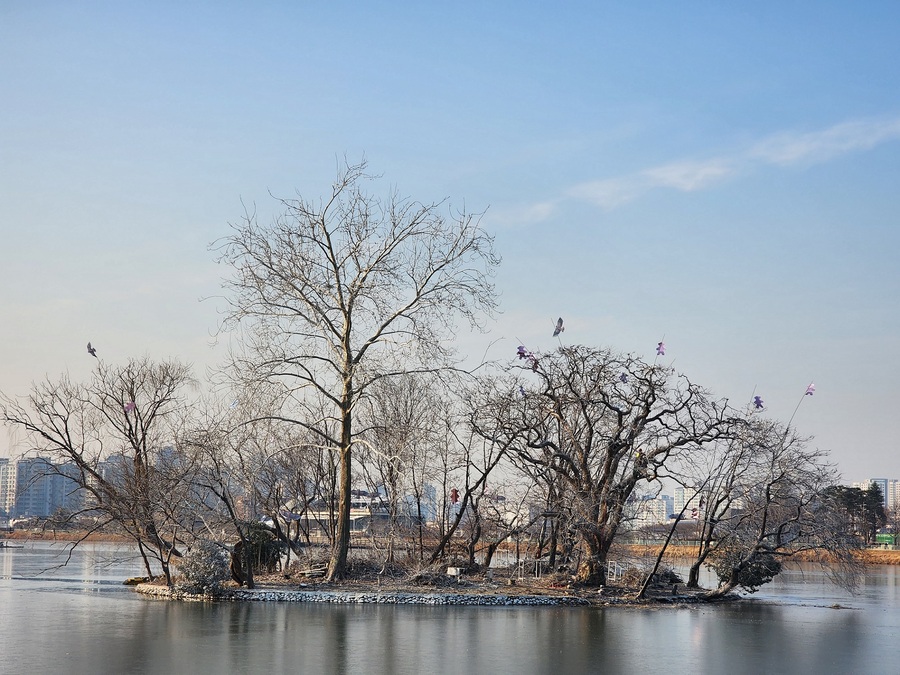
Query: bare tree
[781, 508]
[120, 430]
[499, 513]
[715, 481]
[605, 423]
[892, 522]
[400, 417]
[473, 450]
[334, 296]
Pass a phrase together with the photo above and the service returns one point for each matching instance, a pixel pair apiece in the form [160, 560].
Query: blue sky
[724, 177]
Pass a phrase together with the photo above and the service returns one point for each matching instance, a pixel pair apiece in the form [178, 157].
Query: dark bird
[92, 351]
[559, 327]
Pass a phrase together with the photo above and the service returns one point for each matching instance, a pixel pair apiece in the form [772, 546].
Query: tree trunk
[144, 558]
[656, 564]
[489, 553]
[337, 566]
[592, 568]
[725, 588]
[448, 535]
[473, 540]
[554, 542]
[248, 564]
[421, 528]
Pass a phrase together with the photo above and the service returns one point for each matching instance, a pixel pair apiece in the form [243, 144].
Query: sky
[722, 178]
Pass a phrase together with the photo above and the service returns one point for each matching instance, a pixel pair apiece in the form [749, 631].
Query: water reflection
[56, 623]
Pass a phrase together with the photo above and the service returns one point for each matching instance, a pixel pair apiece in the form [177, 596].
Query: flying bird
[92, 351]
[661, 349]
[811, 389]
[559, 327]
[758, 402]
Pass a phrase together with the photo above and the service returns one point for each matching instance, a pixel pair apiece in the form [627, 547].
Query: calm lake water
[80, 619]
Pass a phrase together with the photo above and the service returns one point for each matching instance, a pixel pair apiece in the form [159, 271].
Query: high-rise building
[32, 487]
[678, 500]
[7, 486]
[893, 494]
[652, 510]
[41, 488]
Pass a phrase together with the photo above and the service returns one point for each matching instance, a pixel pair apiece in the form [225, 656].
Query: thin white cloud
[686, 176]
[689, 176]
[611, 192]
[524, 215]
[782, 149]
[821, 146]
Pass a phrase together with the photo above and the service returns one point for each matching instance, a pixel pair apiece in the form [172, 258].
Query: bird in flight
[559, 327]
[758, 402]
[92, 351]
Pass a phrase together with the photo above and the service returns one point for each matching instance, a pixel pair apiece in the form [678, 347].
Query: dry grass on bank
[870, 556]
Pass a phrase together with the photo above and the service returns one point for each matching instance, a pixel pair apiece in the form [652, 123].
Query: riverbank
[869, 556]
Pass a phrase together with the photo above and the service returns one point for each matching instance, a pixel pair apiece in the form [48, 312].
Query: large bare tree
[603, 423]
[120, 430]
[336, 294]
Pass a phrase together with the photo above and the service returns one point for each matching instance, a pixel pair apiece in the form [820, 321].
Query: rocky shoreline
[373, 597]
[475, 596]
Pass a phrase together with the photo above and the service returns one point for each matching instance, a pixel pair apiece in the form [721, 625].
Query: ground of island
[493, 588]
[474, 590]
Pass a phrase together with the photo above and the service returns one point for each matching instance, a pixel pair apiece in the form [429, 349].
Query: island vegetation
[347, 440]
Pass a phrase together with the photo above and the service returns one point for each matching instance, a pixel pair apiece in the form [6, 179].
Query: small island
[345, 419]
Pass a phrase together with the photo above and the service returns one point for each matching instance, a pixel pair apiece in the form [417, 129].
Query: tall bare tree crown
[355, 282]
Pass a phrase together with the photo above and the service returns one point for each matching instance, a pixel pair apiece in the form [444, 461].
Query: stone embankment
[354, 597]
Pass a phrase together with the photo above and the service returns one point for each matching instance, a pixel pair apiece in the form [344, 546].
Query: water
[80, 619]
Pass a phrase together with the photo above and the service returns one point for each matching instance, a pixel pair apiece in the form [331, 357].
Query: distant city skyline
[722, 178]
